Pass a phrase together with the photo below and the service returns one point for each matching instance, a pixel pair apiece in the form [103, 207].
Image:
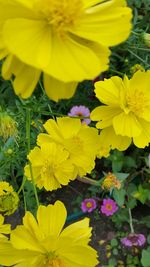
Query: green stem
[87, 180]
[28, 130]
[131, 221]
[49, 107]
[22, 185]
[24, 198]
[141, 59]
[140, 48]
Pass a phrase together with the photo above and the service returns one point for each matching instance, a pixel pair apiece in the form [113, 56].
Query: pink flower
[80, 111]
[134, 240]
[109, 207]
[88, 205]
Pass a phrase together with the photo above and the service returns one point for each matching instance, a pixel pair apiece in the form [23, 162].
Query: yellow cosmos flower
[51, 166]
[65, 39]
[8, 199]
[43, 243]
[126, 114]
[4, 229]
[79, 140]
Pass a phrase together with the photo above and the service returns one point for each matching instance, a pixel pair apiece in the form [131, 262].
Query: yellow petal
[35, 156]
[102, 23]
[81, 255]
[21, 238]
[143, 139]
[108, 91]
[43, 138]
[79, 231]
[57, 90]
[75, 59]
[105, 115]
[52, 218]
[108, 137]
[127, 125]
[52, 128]
[68, 126]
[29, 40]
[16, 8]
[26, 81]
[10, 256]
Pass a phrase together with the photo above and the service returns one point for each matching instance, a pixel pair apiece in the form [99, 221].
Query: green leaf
[114, 242]
[148, 239]
[119, 196]
[141, 194]
[145, 258]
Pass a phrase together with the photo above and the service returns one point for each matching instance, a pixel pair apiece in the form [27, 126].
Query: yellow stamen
[60, 14]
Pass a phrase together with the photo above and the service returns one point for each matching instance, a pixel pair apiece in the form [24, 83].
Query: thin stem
[141, 59]
[87, 180]
[140, 48]
[24, 198]
[22, 185]
[50, 109]
[135, 33]
[28, 129]
[131, 221]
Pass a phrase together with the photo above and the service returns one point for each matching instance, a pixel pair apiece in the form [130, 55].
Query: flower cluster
[111, 181]
[68, 149]
[42, 241]
[126, 114]
[60, 39]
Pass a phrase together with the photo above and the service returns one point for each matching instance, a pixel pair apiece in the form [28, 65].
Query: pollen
[62, 15]
[136, 102]
[56, 262]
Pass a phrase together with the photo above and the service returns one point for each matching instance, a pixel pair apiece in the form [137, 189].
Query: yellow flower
[111, 181]
[44, 242]
[126, 114]
[8, 126]
[79, 140]
[51, 166]
[66, 39]
[4, 229]
[8, 199]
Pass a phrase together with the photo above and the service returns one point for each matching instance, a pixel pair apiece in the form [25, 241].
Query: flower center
[56, 262]
[61, 14]
[108, 206]
[89, 205]
[47, 169]
[136, 103]
[79, 114]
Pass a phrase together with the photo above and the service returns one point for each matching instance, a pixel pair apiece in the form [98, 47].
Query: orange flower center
[89, 205]
[109, 206]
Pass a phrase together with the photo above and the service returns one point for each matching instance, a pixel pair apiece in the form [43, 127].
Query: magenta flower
[109, 207]
[88, 205]
[80, 111]
[134, 240]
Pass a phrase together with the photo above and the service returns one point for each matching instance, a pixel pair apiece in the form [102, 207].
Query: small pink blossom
[80, 111]
[109, 207]
[88, 205]
[134, 240]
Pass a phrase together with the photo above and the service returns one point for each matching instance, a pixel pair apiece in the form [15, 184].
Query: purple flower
[88, 205]
[109, 207]
[80, 111]
[134, 240]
